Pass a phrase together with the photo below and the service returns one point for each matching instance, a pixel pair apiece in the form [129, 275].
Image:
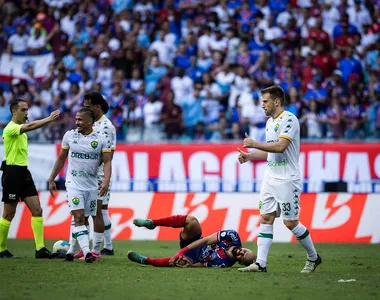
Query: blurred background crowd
[193, 69]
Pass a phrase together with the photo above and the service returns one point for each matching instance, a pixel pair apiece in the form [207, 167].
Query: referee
[17, 181]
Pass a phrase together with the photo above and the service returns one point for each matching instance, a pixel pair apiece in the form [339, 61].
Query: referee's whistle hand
[248, 142]
[52, 188]
[54, 115]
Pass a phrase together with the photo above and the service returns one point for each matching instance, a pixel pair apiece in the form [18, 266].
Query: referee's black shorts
[17, 183]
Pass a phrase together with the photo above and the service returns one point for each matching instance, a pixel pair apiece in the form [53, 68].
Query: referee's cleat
[310, 266]
[255, 267]
[107, 252]
[89, 258]
[69, 257]
[137, 258]
[7, 254]
[147, 223]
[43, 253]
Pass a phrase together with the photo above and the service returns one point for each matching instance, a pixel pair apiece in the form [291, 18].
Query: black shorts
[17, 184]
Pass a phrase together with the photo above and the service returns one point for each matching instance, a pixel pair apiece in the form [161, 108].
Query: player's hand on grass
[243, 156]
[183, 262]
[103, 188]
[179, 254]
[248, 142]
[54, 115]
[52, 187]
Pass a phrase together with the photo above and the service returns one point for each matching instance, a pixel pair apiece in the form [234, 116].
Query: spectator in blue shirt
[350, 65]
[317, 92]
[258, 45]
[338, 29]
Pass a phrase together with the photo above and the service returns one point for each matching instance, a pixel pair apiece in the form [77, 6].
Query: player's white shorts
[86, 200]
[282, 197]
[106, 197]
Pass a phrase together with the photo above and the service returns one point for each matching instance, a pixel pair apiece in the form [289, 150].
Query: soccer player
[17, 181]
[281, 187]
[85, 150]
[221, 249]
[102, 222]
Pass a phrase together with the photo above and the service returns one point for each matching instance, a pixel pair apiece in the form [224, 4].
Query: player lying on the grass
[221, 249]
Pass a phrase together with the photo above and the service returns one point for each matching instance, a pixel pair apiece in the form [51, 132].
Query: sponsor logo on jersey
[278, 163]
[94, 144]
[85, 155]
[75, 200]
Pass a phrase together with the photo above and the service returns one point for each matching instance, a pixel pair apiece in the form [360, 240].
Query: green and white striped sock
[304, 238]
[264, 241]
[81, 234]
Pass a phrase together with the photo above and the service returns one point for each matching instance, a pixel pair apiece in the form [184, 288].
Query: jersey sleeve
[229, 238]
[290, 128]
[113, 138]
[12, 129]
[65, 141]
[106, 143]
[221, 263]
[110, 133]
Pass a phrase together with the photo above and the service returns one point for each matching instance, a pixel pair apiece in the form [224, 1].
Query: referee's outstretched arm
[17, 181]
[39, 123]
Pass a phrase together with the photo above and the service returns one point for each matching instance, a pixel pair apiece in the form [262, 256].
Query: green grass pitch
[118, 278]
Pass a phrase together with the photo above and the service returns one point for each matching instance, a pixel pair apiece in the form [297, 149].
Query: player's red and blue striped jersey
[215, 255]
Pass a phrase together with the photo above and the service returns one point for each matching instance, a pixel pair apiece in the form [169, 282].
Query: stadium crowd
[193, 69]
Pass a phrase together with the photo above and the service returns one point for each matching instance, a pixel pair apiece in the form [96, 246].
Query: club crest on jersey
[94, 144]
[276, 127]
[75, 200]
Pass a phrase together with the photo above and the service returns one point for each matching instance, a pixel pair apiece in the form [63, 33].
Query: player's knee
[80, 220]
[36, 212]
[291, 224]
[267, 219]
[9, 215]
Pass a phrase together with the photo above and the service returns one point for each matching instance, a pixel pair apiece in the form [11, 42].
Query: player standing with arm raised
[85, 149]
[102, 222]
[281, 188]
[17, 181]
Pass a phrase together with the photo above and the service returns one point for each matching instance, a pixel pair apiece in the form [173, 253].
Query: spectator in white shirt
[36, 41]
[284, 17]
[204, 40]
[142, 7]
[240, 84]
[182, 86]
[18, 42]
[68, 23]
[253, 117]
[219, 42]
[152, 113]
[162, 48]
[330, 16]
[359, 15]
[61, 84]
[133, 117]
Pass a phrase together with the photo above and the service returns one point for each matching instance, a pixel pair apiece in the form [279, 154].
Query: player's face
[83, 123]
[22, 112]
[243, 255]
[95, 108]
[267, 104]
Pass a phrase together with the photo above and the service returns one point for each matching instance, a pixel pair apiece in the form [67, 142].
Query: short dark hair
[275, 91]
[96, 98]
[14, 104]
[88, 112]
